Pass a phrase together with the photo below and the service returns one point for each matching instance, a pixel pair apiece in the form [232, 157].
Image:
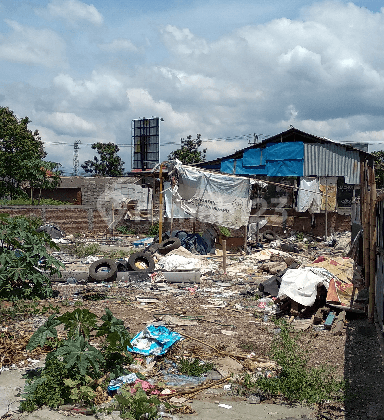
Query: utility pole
[76, 157]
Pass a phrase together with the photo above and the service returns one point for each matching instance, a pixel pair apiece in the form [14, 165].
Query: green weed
[125, 230]
[194, 367]
[295, 380]
[136, 406]
[153, 230]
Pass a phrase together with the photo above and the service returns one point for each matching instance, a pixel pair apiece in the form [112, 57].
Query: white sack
[300, 284]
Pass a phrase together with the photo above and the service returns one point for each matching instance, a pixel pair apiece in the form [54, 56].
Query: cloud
[118, 45]
[100, 91]
[27, 45]
[69, 123]
[73, 10]
[143, 103]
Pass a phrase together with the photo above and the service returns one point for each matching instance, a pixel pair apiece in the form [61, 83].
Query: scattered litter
[228, 407]
[117, 383]
[154, 340]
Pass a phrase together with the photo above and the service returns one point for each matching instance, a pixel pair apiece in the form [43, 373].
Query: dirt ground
[219, 314]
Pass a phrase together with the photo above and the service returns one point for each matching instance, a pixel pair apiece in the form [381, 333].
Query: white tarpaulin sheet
[309, 196]
[300, 284]
[213, 198]
[172, 207]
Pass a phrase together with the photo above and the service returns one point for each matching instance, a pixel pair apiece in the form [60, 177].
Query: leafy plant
[224, 231]
[24, 260]
[136, 406]
[296, 381]
[194, 367]
[125, 230]
[74, 367]
[153, 230]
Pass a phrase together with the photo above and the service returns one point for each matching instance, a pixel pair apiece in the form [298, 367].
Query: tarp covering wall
[213, 198]
[276, 159]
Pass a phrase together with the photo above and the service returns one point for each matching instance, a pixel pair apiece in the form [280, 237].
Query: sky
[83, 70]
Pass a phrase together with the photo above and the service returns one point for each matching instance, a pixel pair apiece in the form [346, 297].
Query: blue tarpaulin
[154, 341]
[276, 159]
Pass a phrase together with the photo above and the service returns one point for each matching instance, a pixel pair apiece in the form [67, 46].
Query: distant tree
[108, 163]
[21, 157]
[189, 151]
[379, 168]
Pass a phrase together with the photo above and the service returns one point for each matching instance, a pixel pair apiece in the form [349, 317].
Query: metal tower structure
[76, 157]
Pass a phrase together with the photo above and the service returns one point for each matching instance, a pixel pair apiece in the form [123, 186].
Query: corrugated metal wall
[331, 160]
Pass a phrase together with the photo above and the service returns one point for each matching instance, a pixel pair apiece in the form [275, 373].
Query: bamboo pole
[372, 257]
[366, 224]
[161, 205]
[224, 245]
[326, 209]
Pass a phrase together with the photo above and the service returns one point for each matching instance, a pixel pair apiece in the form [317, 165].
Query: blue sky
[223, 69]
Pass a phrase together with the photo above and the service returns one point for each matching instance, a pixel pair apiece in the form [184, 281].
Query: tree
[189, 153]
[21, 157]
[379, 168]
[109, 164]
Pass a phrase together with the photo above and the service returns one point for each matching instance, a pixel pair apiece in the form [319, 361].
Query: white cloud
[183, 41]
[118, 45]
[101, 91]
[143, 103]
[69, 123]
[74, 10]
[28, 45]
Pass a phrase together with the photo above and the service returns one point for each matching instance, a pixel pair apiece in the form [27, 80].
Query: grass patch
[296, 381]
[24, 309]
[28, 202]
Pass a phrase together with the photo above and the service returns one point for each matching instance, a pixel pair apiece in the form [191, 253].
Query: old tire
[142, 262]
[269, 235]
[97, 275]
[169, 245]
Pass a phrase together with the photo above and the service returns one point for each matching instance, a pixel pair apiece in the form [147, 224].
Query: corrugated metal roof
[331, 159]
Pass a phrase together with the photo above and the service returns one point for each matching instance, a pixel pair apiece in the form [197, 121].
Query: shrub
[24, 260]
[74, 367]
[153, 230]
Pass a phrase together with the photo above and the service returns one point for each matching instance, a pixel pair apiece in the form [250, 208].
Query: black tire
[141, 257]
[96, 275]
[169, 245]
[269, 235]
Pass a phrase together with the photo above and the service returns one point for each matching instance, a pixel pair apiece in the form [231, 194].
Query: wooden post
[113, 220]
[224, 245]
[161, 205]
[245, 238]
[326, 209]
[153, 202]
[372, 257]
[366, 224]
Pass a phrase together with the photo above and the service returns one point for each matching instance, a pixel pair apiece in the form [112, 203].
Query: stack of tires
[106, 269]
